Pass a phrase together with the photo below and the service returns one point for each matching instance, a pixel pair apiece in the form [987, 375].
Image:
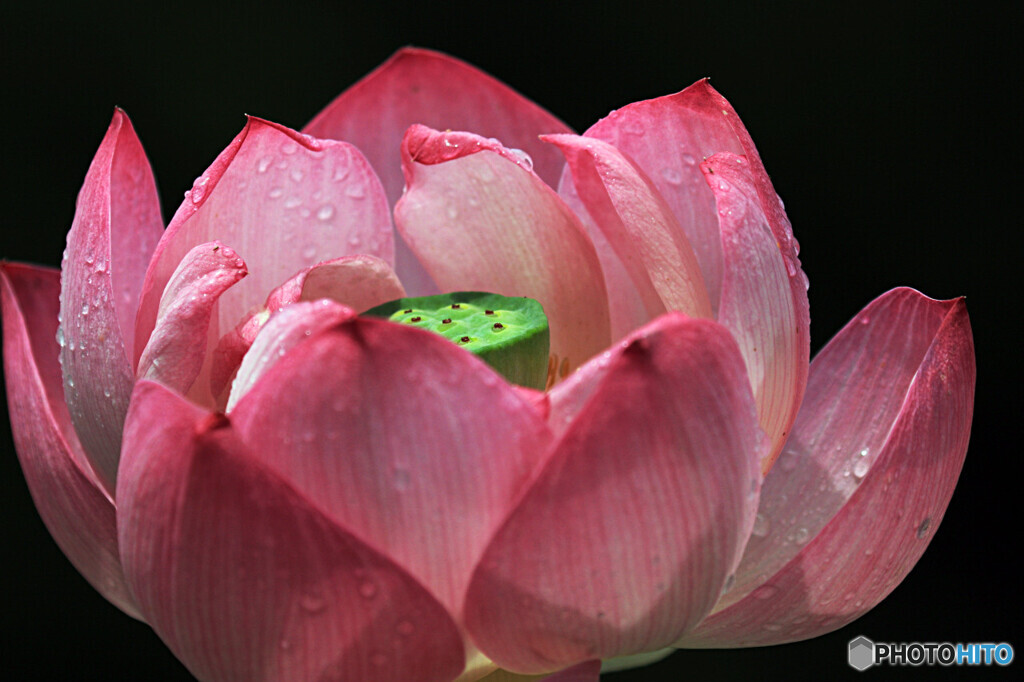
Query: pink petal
[176, 351]
[283, 201]
[69, 496]
[117, 225]
[244, 579]
[359, 282]
[478, 219]
[285, 329]
[422, 86]
[865, 479]
[625, 538]
[401, 436]
[763, 298]
[668, 137]
[584, 672]
[638, 224]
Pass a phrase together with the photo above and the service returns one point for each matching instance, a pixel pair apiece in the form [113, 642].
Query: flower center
[508, 333]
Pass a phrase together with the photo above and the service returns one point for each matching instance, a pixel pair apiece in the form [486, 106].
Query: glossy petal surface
[116, 227]
[359, 282]
[480, 219]
[245, 579]
[283, 201]
[176, 351]
[433, 89]
[69, 496]
[625, 539]
[865, 478]
[638, 224]
[401, 436]
[763, 298]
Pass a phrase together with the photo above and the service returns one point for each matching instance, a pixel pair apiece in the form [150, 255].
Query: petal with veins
[401, 436]
[75, 507]
[244, 579]
[285, 201]
[479, 219]
[116, 227]
[865, 478]
[625, 538]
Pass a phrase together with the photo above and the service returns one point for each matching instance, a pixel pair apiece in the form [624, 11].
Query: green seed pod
[509, 334]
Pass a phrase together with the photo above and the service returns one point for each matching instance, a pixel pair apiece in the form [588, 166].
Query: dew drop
[861, 466]
[355, 191]
[325, 213]
[772, 627]
[689, 160]
[289, 147]
[729, 582]
[452, 211]
[800, 536]
[406, 628]
[672, 175]
[297, 175]
[633, 127]
[312, 602]
[761, 525]
[309, 252]
[60, 336]
[765, 592]
[276, 193]
[368, 590]
[353, 241]
[292, 202]
[724, 186]
[523, 158]
[922, 529]
[865, 320]
[264, 164]
[85, 308]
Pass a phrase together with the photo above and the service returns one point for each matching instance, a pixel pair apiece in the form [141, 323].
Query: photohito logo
[863, 653]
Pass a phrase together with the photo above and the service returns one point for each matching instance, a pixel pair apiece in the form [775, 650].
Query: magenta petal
[422, 86]
[282, 332]
[865, 478]
[70, 498]
[177, 348]
[479, 219]
[626, 537]
[638, 224]
[401, 436]
[117, 225]
[284, 201]
[244, 579]
[763, 298]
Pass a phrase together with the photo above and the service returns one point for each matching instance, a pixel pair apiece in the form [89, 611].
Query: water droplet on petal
[406, 628]
[689, 160]
[452, 211]
[325, 213]
[800, 536]
[523, 158]
[922, 529]
[289, 147]
[672, 175]
[765, 592]
[60, 336]
[297, 174]
[264, 164]
[312, 602]
[309, 252]
[355, 191]
[761, 525]
[368, 590]
[276, 193]
[292, 202]
[85, 308]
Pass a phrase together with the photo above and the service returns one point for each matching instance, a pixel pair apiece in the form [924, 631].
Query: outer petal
[117, 225]
[283, 201]
[865, 479]
[421, 86]
[479, 219]
[176, 350]
[401, 436]
[69, 496]
[625, 539]
[638, 224]
[763, 298]
[244, 579]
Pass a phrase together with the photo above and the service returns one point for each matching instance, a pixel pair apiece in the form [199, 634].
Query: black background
[891, 133]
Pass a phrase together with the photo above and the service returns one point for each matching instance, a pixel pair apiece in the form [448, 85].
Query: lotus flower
[285, 490]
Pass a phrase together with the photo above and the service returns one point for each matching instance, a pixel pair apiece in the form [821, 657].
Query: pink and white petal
[244, 579]
[763, 298]
[72, 502]
[401, 436]
[282, 332]
[422, 86]
[478, 218]
[668, 137]
[639, 225]
[177, 350]
[626, 537]
[116, 227]
[625, 305]
[865, 479]
[359, 282]
[284, 201]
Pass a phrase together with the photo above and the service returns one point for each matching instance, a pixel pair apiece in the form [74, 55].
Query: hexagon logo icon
[862, 653]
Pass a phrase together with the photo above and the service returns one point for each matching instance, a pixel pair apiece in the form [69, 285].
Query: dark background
[892, 134]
